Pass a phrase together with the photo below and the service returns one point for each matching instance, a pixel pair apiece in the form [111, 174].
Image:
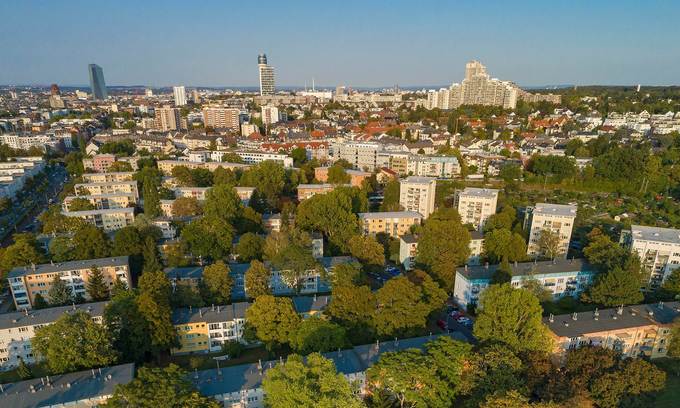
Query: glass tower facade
[97, 83]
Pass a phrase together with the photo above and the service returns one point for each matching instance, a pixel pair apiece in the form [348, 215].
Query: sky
[375, 43]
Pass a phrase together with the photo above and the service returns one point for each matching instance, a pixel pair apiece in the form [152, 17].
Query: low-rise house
[560, 277]
[633, 331]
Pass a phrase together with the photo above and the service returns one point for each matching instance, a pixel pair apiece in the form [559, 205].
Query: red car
[441, 324]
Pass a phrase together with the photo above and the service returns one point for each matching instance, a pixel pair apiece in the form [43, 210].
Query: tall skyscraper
[97, 83]
[266, 75]
[180, 95]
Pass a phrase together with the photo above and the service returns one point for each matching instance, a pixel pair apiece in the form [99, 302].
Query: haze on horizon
[380, 43]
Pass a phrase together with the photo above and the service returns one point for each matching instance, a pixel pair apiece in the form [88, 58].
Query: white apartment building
[104, 201]
[180, 95]
[167, 118]
[270, 115]
[253, 157]
[433, 166]
[476, 205]
[417, 194]
[557, 218]
[14, 174]
[17, 329]
[198, 193]
[476, 248]
[408, 250]
[108, 177]
[361, 155]
[113, 187]
[109, 220]
[658, 249]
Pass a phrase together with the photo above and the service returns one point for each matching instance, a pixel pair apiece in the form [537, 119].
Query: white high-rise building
[180, 95]
[270, 115]
[557, 218]
[266, 75]
[417, 194]
[658, 249]
[476, 205]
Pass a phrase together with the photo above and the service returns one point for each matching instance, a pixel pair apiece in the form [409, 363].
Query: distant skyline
[353, 43]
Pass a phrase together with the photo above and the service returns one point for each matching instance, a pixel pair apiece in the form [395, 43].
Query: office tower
[54, 90]
[97, 83]
[476, 205]
[417, 194]
[270, 115]
[218, 117]
[180, 95]
[167, 118]
[266, 75]
[658, 249]
[556, 218]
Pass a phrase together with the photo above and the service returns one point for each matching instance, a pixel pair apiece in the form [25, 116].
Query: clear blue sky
[357, 43]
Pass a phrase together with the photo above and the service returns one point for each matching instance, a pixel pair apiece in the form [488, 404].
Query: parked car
[441, 324]
[456, 314]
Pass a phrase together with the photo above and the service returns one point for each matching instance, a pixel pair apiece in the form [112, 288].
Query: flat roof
[66, 389]
[409, 238]
[390, 214]
[476, 235]
[48, 315]
[68, 266]
[101, 211]
[555, 209]
[106, 183]
[528, 268]
[480, 192]
[641, 232]
[613, 319]
[418, 179]
[222, 313]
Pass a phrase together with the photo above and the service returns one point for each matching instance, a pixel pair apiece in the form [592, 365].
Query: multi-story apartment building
[168, 118]
[557, 218]
[408, 250]
[560, 277]
[198, 193]
[100, 163]
[417, 194]
[241, 386]
[478, 88]
[251, 157]
[108, 177]
[219, 117]
[633, 331]
[270, 115]
[205, 330]
[114, 187]
[104, 201]
[180, 95]
[357, 177]
[476, 205]
[361, 155]
[392, 223]
[476, 248]
[433, 166]
[166, 166]
[14, 174]
[28, 281]
[305, 191]
[109, 220]
[17, 329]
[658, 249]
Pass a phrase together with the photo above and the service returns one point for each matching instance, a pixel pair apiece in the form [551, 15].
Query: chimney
[661, 304]
[574, 316]
[551, 318]
[619, 311]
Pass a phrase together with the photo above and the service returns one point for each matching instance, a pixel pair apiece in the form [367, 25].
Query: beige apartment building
[557, 218]
[392, 223]
[417, 194]
[166, 166]
[108, 177]
[114, 187]
[109, 220]
[218, 117]
[168, 118]
[28, 281]
[633, 331]
[476, 205]
[104, 201]
[306, 191]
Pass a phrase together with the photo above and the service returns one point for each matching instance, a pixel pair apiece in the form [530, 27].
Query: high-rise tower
[266, 75]
[97, 83]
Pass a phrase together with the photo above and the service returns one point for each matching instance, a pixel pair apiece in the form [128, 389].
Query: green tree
[310, 382]
[60, 293]
[150, 255]
[80, 204]
[274, 320]
[90, 242]
[74, 342]
[186, 207]
[513, 317]
[24, 251]
[257, 280]
[152, 204]
[617, 287]
[504, 219]
[391, 196]
[629, 384]
[269, 178]
[299, 155]
[316, 334]
[154, 305]
[354, 308]
[217, 283]
[367, 250]
[159, 387]
[61, 248]
[39, 302]
[672, 284]
[443, 245]
[222, 203]
[128, 329]
[502, 244]
[338, 175]
[346, 274]
[96, 286]
[549, 244]
[208, 237]
[23, 370]
[249, 247]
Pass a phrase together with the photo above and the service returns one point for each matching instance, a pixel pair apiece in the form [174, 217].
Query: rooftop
[66, 389]
[641, 232]
[48, 315]
[213, 314]
[101, 211]
[613, 319]
[528, 268]
[409, 238]
[480, 192]
[68, 266]
[418, 180]
[390, 214]
[555, 209]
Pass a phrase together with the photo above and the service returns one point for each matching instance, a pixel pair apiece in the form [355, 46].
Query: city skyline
[354, 44]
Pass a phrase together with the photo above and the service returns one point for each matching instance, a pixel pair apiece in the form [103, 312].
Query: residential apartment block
[28, 281]
[658, 249]
[254, 157]
[14, 174]
[392, 223]
[476, 248]
[560, 277]
[417, 194]
[357, 177]
[113, 187]
[109, 220]
[305, 191]
[433, 166]
[361, 155]
[103, 201]
[218, 117]
[408, 250]
[166, 166]
[633, 331]
[205, 330]
[108, 177]
[17, 329]
[100, 163]
[476, 205]
[556, 218]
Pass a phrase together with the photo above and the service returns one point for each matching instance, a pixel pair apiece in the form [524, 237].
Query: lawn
[669, 397]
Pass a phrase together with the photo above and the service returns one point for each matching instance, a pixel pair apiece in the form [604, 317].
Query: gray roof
[555, 209]
[185, 272]
[68, 266]
[306, 304]
[418, 179]
[249, 376]
[409, 238]
[390, 214]
[610, 319]
[528, 268]
[105, 183]
[66, 388]
[210, 314]
[641, 232]
[480, 192]
[102, 211]
[476, 235]
[49, 315]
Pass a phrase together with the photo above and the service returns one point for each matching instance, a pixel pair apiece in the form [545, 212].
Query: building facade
[658, 249]
[556, 218]
[392, 223]
[476, 205]
[267, 83]
[418, 194]
[109, 220]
